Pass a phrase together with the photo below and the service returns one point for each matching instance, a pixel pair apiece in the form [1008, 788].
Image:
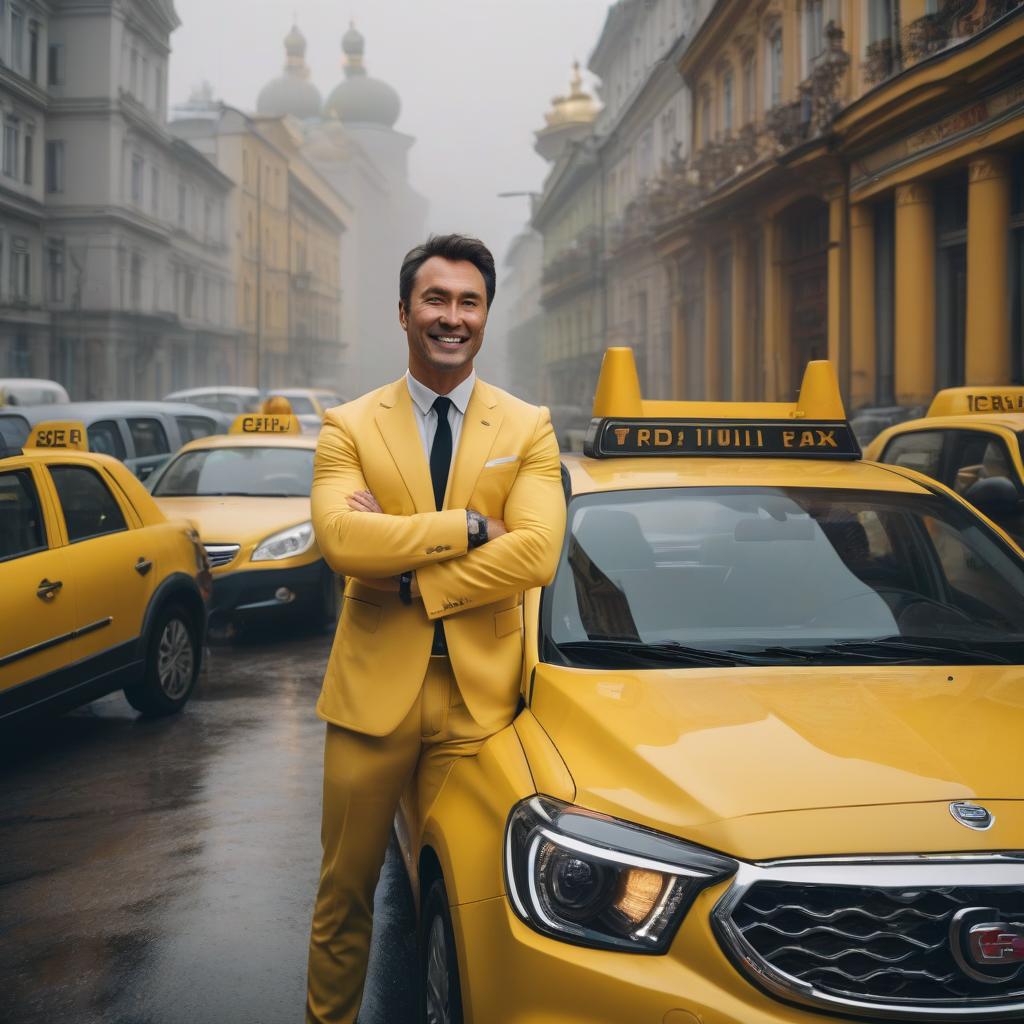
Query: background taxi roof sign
[265, 423]
[625, 424]
[967, 401]
[59, 434]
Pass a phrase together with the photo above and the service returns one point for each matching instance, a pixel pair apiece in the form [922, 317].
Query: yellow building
[856, 191]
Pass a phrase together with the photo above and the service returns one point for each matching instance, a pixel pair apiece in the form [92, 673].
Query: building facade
[524, 324]
[854, 191]
[122, 287]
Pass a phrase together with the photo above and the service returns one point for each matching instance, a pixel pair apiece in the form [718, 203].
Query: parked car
[221, 398]
[142, 435]
[99, 591]
[31, 391]
[309, 401]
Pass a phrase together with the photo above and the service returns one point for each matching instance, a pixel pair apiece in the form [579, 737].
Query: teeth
[450, 340]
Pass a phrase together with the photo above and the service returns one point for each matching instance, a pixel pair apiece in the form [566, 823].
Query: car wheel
[171, 668]
[440, 990]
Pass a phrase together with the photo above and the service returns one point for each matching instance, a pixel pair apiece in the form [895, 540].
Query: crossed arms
[357, 540]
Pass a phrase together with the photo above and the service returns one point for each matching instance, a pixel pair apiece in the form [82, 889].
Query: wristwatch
[405, 588]
[476, 528]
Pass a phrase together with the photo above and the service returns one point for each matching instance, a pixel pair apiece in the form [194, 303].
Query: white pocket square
[501, 461]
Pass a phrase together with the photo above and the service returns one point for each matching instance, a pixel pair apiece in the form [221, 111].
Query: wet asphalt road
[163, 872]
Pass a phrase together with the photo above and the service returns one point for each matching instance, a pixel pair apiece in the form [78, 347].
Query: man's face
[445, 319]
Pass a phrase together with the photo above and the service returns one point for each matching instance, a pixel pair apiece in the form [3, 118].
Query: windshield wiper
[606, 652]
[891, 650]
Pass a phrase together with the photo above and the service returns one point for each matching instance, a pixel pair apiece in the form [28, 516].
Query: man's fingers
[363, 501]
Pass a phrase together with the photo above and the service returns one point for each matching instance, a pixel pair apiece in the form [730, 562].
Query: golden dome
[579, 107]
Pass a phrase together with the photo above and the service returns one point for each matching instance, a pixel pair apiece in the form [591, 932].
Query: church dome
[360, 99]
[292, 93]
[576, 108]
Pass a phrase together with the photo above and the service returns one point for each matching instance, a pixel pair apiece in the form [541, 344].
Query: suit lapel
[479, 431]
[397, 424]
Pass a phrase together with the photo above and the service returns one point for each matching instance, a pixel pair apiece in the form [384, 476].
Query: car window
[21, 519]
[192, 427]
[105, 438]
[149, 437]
[725, 567]
[330, 401]
[919, 449]
[14, 431]
[90, 510]
[258, 472]
[302, 405]
[978, 455]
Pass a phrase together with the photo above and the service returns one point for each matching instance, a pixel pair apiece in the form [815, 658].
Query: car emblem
[986, 946]
[972, 815]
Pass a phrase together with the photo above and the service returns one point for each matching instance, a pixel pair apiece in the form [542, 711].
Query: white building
[127, 290]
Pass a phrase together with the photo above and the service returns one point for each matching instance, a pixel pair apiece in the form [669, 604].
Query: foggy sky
[475, 78]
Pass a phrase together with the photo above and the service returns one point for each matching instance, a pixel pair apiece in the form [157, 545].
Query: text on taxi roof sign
[970, 400]
[265, 423]
[625, 424]
[59, 434]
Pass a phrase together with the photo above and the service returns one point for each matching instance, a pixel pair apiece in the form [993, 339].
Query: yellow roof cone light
[982, 398]
[59, 434]
[625, 424]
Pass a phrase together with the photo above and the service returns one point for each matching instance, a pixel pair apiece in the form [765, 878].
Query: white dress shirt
[423, 409]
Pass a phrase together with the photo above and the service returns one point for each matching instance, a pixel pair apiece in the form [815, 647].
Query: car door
[981, 455]
[113, 559]
[151, 445]
[36, 594]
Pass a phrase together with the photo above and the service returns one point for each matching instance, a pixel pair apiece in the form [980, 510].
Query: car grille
[220, 554]
[878, 950]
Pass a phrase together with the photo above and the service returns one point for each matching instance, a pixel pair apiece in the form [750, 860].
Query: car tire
[172, 665]
[440, 988]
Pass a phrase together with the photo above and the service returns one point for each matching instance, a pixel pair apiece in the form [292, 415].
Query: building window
[136, 281]
[773, 91]
[17, 40]
[20, 270]
[55, 270]
[55, 64]
[33, 50]
[134, 83]
[748, 89]
[951, 280]
[879, 20]
[55, 166]
[190, 293]
[814, 32]
[29, 168]
[144, 82]
[12, 133]
[158, 82]
[138, 170]
[727, 102]
[182, 206]
[154, 198]
[705, 117]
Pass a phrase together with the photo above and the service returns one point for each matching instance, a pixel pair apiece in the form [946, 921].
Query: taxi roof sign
[967, 401]
[59, 434]
[625, 424]
[265, 423]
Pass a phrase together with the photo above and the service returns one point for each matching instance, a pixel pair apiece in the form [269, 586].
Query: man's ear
[403, 315]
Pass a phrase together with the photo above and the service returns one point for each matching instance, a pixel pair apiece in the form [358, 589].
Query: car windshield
[255, 472]
[302, 405]
[781, 576]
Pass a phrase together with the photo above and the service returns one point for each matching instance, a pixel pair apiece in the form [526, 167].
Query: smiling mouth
[448, 340]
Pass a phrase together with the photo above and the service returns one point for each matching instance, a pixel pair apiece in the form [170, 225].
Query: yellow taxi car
[98, 590]
[767, 766]
[970, 439]
[248, 493]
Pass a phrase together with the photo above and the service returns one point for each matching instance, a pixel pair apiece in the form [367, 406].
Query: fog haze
[475, 78]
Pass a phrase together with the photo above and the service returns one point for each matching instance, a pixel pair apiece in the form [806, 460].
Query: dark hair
[449, 247]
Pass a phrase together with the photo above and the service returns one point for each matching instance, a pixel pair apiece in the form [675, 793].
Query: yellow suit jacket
[506, 466]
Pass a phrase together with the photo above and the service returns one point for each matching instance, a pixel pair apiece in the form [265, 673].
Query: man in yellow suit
[439, 498]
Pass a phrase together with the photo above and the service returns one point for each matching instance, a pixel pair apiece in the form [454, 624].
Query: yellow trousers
[364, 778]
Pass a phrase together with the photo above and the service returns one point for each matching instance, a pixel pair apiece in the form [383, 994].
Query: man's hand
[364, 501]
[495, 528]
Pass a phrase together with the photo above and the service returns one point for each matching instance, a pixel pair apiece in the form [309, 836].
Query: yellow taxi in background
[98, 590]
[248, 493]
[767, 766]
[970, 439]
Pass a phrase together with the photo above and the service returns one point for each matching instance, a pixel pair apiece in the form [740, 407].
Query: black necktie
[441, 450]
[440, 465]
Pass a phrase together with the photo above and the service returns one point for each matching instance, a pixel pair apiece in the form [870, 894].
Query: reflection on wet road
[163, 872]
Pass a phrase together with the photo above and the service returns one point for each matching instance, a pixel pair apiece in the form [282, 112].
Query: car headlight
[593, 880]
[293, 541]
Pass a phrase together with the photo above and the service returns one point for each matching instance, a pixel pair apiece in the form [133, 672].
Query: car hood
[682, 750]
[231, 520]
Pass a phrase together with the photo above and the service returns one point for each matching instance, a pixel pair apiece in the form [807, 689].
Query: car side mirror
[995, 495]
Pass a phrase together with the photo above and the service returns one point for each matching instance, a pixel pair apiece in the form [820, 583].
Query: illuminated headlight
[592, 880]
[292, 541]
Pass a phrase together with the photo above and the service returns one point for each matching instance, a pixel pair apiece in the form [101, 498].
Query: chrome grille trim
[1004, 870]
[221, 554]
